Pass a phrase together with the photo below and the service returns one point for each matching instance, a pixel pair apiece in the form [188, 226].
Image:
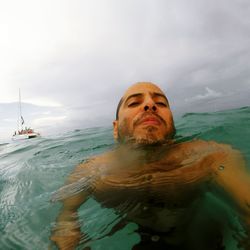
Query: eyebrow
[153, 94]
[160, 95]
[133, 95]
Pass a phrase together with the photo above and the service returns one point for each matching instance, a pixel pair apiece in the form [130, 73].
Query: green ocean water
[32, 170]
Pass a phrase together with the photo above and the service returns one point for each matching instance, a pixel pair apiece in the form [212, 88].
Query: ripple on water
[31, 171]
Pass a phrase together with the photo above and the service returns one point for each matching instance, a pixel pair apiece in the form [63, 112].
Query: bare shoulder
[201, 145]
[217, 155]
[229, 172]
[89, 167]
[208, 147]
[95, 160]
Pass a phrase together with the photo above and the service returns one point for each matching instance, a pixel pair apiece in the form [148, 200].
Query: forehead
[142, 88]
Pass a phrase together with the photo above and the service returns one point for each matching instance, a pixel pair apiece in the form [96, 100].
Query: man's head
[143, 115]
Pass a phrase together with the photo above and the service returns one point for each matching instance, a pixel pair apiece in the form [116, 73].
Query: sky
[73, 59]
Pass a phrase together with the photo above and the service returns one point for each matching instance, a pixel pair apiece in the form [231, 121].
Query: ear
[115, 129]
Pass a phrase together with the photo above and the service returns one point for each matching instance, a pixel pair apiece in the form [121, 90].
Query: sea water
[31, 171]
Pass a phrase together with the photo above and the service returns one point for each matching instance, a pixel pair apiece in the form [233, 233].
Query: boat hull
[25, 136]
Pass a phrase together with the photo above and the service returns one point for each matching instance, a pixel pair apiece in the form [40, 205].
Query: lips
[150, 121]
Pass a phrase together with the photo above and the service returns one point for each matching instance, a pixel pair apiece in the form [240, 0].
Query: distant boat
[22, 131]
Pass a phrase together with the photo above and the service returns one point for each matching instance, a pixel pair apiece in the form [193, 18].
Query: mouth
[150, 121]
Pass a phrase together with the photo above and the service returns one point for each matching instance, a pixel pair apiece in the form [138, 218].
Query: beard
[147, 136]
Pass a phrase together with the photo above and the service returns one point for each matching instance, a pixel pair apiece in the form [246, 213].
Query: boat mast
[21, 121]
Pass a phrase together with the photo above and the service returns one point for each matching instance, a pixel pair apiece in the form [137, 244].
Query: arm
[66, 233]
[231, 175]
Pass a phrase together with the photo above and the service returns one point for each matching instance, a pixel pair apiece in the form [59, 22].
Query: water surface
[32, 170]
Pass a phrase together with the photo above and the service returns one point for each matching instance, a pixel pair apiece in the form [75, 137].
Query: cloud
[50, 119]
[8, 120]
[43, 102]
[78, 58]
[210, 94]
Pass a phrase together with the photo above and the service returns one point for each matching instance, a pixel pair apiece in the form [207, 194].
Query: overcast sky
[73, 59]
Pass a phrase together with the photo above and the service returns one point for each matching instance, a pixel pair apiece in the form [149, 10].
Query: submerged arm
[231, 175]
[67, 233]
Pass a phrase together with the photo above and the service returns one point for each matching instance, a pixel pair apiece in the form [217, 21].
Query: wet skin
[159, 179]
[144, 116]
[161, 193]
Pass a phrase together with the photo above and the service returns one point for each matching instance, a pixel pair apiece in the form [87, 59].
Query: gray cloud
[210, 94]
[83, 55]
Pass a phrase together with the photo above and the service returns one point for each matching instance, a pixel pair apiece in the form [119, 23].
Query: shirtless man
[162, 180]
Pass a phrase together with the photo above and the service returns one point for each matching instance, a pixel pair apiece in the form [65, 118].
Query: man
[163, 181]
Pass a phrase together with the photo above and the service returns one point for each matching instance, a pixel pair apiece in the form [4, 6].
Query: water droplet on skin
[221, 167]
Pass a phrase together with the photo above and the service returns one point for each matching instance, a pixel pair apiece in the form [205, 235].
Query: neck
[143, 152]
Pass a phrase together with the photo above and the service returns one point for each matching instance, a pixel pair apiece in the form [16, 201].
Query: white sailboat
[22, 131]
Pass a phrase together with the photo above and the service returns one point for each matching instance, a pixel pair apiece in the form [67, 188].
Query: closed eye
[161, 104]
[132, 104]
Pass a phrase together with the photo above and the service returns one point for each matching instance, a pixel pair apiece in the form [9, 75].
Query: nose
[150, 105]
[148, 108]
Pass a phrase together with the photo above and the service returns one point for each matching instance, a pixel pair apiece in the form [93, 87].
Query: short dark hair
[118, 108]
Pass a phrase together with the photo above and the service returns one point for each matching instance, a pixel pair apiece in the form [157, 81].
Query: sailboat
[22, 131]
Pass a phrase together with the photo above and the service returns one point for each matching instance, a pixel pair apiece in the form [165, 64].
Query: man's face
[144, 116]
